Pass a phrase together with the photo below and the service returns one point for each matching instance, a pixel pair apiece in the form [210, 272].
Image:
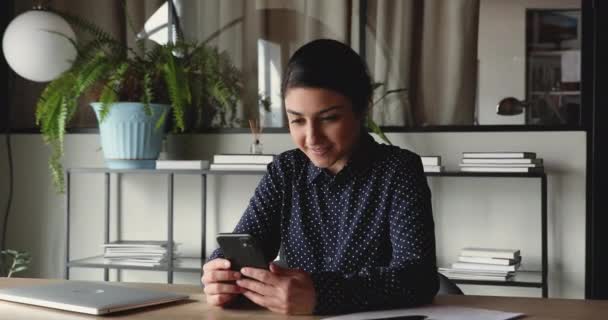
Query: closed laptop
[88, 297]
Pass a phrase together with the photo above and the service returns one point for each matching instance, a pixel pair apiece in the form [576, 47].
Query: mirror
[456, 59]
[453, 61]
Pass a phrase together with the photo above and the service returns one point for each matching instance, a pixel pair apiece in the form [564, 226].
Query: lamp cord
[9, 154]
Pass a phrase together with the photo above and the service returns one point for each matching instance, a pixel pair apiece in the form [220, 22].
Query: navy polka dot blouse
[365, 235]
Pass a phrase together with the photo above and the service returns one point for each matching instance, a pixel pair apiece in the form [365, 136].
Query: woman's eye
[330, 118]
[297, 121]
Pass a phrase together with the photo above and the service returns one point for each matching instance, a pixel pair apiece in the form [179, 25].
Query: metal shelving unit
[530, 279]
[533, 279]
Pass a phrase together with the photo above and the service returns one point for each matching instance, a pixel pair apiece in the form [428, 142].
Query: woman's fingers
[222, 288]
[219, 299]
[216, 264]
[220, 275]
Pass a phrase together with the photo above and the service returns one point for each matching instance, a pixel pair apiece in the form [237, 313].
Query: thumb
[275, 268]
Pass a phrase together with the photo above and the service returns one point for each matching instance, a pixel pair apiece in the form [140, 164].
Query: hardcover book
[483, 266]
[502, 169]
[182, 164]
[431, 160]
[489, 260]
[500, 154]
[237, 167]
[490, 252]
[243, 158]
[503, 161]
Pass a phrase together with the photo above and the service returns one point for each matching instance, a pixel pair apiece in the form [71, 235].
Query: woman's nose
[313, 136]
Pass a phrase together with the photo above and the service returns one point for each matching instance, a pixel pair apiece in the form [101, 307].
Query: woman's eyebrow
[320, 112]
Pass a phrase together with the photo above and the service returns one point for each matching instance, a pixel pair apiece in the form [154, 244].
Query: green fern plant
[14, 261]
[371, 124]
[194, 79]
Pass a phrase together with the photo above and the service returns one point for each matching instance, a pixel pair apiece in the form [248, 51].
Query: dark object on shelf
[510, 106]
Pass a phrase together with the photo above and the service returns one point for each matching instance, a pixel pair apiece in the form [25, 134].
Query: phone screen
[243, 250]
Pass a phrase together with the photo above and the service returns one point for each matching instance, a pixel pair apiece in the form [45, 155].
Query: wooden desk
[535, 308]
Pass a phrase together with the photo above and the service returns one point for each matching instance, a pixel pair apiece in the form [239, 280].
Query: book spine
[499, 254]
[502, 262]
[431, 161]
[485, 267]
[499, 155]
[242, 159]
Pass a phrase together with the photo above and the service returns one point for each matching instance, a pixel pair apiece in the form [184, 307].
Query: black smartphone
[243, 250]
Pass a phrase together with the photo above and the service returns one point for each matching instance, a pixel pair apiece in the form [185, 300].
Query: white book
[137, 259]
[479, 277]
[243, 158]
[502, 161]
[238, 167]
[500, 154]
[483, 266]
[490, 252]
[431, 160]
[489, 260]
[182, 164]
[133, 263]
[135, 251]
[476, 272]
[502, 169]
[433, 168]
[500, 165]
[138, 244]
[129, 254]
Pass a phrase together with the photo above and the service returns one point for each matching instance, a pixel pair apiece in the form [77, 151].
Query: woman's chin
[322, 163]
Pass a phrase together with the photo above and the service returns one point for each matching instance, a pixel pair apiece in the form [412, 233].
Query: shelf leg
[67, 226]
[545, 260]
[106, 239]
[203, 219]
[170, 229]
[118, 218]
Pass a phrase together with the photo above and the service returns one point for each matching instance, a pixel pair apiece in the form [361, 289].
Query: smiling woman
[352, 216]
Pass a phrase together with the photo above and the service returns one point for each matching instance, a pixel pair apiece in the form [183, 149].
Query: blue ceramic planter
[129, 137]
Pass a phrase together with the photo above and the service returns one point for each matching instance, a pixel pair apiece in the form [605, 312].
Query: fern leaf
[108, 94]
[148, 95]
[179, 91]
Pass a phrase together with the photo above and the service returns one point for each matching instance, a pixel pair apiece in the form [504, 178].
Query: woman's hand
[286, 291]
[216, 274]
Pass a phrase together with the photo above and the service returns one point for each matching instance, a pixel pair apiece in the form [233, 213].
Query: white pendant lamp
[35, 46]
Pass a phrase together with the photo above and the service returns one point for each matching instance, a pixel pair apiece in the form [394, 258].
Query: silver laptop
[88, 297]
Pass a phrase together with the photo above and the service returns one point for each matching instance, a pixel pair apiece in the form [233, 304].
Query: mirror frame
[586, 110]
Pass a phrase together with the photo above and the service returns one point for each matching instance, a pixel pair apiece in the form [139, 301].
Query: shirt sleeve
[262, 217]
[410, 278]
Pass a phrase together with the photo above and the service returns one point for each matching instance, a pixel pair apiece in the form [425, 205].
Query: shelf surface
[181, 264]
[531, 279]
[261, 172]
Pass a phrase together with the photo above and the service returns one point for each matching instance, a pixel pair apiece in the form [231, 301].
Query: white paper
[433, 313]
[571, 66]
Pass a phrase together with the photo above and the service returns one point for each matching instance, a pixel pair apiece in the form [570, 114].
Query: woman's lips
[319, 151]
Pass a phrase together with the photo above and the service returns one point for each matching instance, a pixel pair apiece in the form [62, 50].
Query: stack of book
[501, 162]
[137, 253]
[484, 264]
[182, 164]
[241, 161]
[432, 163]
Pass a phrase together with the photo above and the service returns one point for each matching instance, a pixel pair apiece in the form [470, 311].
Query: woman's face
[323, 125]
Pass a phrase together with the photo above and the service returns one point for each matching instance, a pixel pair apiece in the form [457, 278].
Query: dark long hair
[330, 64]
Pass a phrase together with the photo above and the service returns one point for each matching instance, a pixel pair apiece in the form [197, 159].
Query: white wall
[502, 53]
[468, 211]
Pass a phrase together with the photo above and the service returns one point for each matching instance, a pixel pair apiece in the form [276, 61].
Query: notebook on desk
[88, 297]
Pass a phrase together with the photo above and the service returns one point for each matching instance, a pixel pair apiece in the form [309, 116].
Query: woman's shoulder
[397, 157]
[290, 161]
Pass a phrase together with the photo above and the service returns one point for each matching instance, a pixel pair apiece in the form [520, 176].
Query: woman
[352, 217]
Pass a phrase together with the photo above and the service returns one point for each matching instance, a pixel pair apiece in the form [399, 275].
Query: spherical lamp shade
[35, 48]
